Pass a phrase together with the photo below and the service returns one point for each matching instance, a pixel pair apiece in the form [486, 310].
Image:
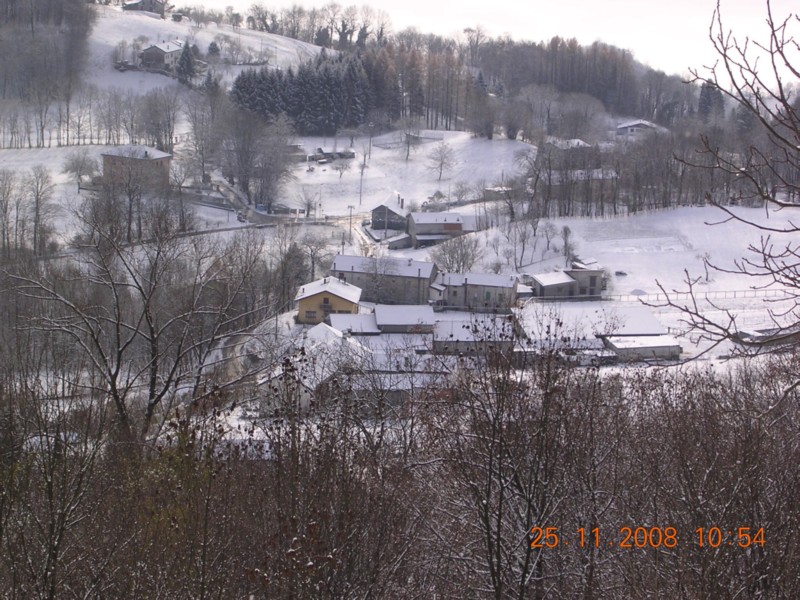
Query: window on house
[310, 315]
[455, 293]
[326, 300]
[593, 280]
[487, 296]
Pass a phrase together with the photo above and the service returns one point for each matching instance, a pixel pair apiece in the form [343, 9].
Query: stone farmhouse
[386, 280]
[141, 165]
[162, 57]
[474, 291]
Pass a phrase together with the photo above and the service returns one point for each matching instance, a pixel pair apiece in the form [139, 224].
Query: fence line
[709, 295]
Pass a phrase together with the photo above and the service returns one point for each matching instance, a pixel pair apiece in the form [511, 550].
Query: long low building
[386, 280]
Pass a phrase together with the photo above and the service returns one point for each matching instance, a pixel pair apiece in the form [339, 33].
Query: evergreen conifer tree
[186, 69]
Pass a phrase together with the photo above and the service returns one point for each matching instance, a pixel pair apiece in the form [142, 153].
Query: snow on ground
[648, 248]
[389, 174]
[114, 25]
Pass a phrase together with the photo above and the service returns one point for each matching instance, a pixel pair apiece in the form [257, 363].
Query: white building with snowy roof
[163, 55]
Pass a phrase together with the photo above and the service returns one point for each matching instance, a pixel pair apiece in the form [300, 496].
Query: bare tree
[753, 76]
[550, 231]
[147, 321]
[409, 138]
[457, 255]
[342, 167]
[40, 187]
[80, 163]
[9, 189]
[317, 249]
[441, 158]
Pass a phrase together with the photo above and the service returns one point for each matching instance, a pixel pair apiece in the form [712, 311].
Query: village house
[162, 57]
[634, 130]
[154, 6]
[386, 280]
[474, 291]
[387, 217]
[584, 280]
[143, 165]
[320, 298]
[427, 229]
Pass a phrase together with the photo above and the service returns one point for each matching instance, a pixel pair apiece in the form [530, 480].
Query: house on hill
[474, 291]
[386, 280]
[427, 229]
[633, 130]
[141, 165]
[320, 298]
[162, 57]
[154, 6]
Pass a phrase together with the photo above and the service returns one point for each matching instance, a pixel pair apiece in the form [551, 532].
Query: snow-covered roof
[567, 144]
[555, 278]
[395, 209]
[167, 47]
[330, 285]
[355, 324]
[403, 267]
[436, 217]
[324, 352]
[480, 328]
[404, 314]
[136, 151]
[642, 342]
[638, 123]
[484, 279]
[590, 319]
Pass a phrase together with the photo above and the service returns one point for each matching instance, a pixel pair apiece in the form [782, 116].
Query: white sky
[670, 36]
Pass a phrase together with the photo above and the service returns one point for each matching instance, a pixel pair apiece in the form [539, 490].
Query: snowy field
[114, 26]
[640, 251]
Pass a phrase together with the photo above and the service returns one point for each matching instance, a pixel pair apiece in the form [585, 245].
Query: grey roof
[402, 267]
[554, 278]
[136, 151]
[484, 279]
[437, 217]
[404, 314]
[402, 212]
[589, 319]
[355, 324]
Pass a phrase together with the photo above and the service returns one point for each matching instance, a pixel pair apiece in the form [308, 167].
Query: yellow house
[318, 299]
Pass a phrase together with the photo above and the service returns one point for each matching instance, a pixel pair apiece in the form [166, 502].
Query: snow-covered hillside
[114, 25]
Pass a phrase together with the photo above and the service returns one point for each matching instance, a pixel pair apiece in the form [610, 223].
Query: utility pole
[350, 207]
